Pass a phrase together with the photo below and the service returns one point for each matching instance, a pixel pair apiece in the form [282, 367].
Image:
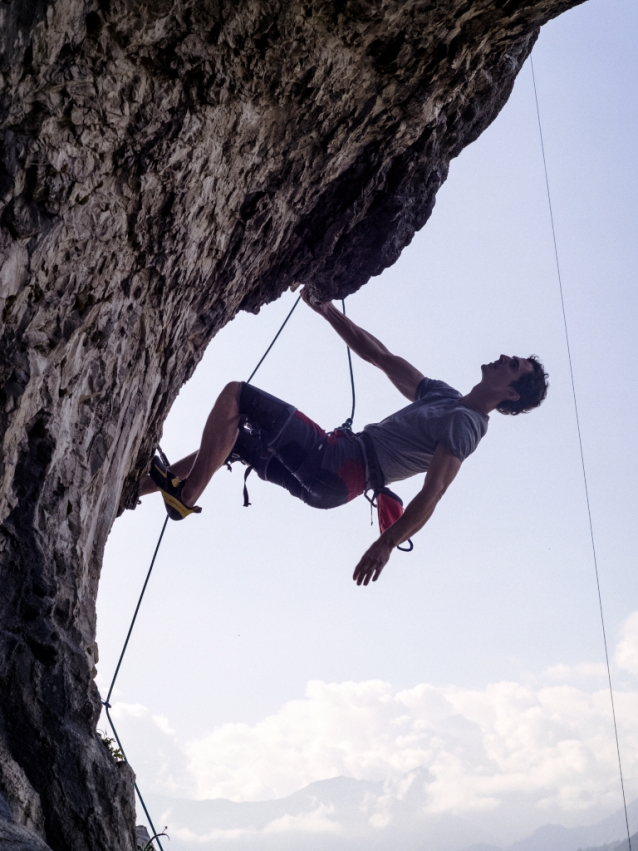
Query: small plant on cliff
[149, 845]
[111, 746]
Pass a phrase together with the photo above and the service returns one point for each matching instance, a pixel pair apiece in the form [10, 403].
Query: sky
[254, 651]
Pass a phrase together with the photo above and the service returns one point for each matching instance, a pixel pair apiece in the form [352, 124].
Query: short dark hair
[531, 387]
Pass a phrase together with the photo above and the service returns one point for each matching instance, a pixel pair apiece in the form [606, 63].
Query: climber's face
[499, 375]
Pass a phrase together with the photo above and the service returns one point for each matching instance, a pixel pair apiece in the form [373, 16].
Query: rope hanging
[582, 455]
[348, 423]
[106, 703]
[276, 337]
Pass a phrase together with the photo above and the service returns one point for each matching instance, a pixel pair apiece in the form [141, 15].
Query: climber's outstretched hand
[374, 560]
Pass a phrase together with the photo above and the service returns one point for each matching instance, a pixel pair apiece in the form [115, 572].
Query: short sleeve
[460, 433]
[429, 385]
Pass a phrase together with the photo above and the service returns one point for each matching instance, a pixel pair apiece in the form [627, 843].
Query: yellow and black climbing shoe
[171, 487]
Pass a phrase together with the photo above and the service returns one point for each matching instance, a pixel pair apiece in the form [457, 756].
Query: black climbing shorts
[285, 447]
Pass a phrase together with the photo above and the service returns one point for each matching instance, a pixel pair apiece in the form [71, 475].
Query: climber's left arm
[440, 475]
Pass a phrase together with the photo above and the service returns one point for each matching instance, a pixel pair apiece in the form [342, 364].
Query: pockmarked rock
[163, 166]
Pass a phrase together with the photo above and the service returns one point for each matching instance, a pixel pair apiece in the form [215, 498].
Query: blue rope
[106, 703]
[348, 423]
[266, 353]
[582, 456]
[107, 706]
[137, 608]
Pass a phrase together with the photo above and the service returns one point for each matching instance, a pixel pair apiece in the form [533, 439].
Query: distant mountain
[623, 845]
[342, 814]
[553, 837]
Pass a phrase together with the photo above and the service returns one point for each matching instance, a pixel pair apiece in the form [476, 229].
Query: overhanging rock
[165, 164]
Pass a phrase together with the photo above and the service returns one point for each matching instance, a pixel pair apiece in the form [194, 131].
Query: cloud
[187, 835]
[553, 743]
[544, 745]
[571, 673]
[163, 723]
[152, 747]
[626, 656]
[316, 821]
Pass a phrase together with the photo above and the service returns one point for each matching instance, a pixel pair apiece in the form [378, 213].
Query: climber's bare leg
[218, 439]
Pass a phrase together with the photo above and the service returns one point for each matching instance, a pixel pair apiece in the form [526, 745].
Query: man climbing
[432, 435]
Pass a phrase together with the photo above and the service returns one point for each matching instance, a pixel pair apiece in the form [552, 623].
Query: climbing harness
[389, 506]
[255, 431]
[582, 456]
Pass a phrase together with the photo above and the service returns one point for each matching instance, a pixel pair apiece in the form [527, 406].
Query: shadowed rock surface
[164, 165]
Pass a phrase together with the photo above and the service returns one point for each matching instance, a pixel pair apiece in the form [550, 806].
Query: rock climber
[434, 434]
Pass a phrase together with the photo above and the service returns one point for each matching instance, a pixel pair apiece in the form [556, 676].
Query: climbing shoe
[171, 487]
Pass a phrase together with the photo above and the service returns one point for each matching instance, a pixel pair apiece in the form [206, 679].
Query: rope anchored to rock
[107, 703]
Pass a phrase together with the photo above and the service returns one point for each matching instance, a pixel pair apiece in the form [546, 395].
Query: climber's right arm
[405, 377]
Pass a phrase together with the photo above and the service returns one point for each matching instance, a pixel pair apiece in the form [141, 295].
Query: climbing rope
[582, 455]
[106, 703]
[276, 337]
[348, 423]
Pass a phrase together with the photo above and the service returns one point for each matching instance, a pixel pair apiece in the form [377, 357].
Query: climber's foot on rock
[171, 487]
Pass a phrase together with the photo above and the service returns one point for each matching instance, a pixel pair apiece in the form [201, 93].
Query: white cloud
[570, 673]
[553, 743]
[152, 747]
[316, 821]
[544, 745]
[627, 649]
[163, 723]
[130, 710]
[187, 835]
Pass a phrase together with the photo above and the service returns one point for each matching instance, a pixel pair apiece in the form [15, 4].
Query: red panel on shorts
[354, 475]
[309, 422]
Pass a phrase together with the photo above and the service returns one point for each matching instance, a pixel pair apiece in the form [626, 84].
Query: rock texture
[165, 164]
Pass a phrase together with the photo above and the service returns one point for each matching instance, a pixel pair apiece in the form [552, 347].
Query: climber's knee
[229, 396]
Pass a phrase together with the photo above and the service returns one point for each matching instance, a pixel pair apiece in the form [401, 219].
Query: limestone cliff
[165, 164]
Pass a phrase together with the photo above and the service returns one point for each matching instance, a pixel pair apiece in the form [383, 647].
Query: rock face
[164, 165]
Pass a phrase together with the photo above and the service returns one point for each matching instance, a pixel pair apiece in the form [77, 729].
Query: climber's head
[521, 383]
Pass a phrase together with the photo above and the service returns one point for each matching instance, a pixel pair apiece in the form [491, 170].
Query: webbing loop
[247, 501]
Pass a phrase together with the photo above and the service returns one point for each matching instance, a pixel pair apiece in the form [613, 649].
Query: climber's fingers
[374, 560]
